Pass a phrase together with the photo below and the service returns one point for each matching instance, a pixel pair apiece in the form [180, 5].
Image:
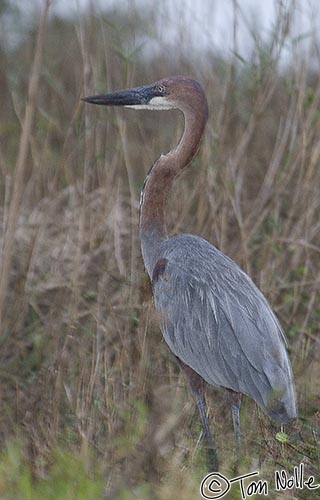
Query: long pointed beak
[131, 97]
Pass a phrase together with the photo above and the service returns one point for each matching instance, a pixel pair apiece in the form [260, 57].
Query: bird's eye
[161, 89]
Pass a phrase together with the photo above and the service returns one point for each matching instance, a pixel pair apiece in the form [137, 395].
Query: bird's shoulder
[198, 260]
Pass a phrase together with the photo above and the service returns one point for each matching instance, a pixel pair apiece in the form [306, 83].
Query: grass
[92, 403]
[67, 478]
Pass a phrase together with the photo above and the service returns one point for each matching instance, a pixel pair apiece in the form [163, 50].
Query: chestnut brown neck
[161, 176]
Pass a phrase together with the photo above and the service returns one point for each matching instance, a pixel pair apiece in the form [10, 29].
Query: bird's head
[175, 92]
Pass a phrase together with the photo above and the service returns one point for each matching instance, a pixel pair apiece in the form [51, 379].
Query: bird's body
[214, 319]
[217, 322]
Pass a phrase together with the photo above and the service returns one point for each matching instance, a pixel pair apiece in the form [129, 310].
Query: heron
[215, 320]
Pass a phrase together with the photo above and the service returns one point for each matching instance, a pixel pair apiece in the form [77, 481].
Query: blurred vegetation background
[92, 403]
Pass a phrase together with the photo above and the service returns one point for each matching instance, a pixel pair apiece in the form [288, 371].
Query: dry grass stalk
[18, 185]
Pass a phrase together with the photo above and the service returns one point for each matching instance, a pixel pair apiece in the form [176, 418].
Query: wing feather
[216, 320]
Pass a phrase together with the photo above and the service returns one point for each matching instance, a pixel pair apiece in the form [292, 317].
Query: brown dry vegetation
[84, 368]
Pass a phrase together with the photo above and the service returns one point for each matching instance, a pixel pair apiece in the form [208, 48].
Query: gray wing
[222, 326]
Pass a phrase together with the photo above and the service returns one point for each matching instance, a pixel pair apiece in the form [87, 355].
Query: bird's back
[217, 322]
